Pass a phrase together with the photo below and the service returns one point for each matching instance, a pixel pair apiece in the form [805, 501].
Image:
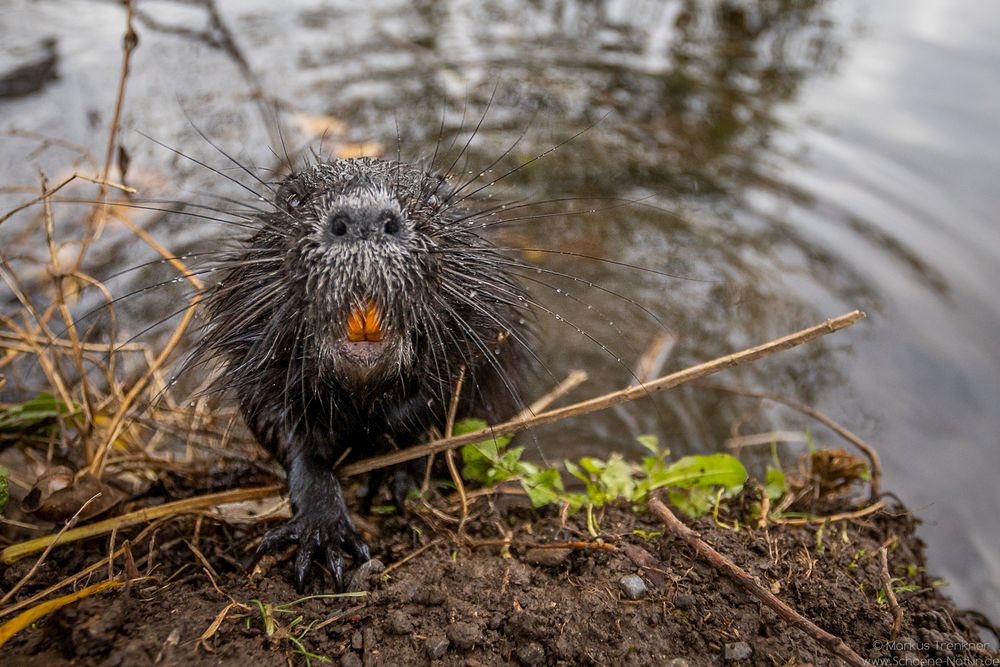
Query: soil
[481, 601]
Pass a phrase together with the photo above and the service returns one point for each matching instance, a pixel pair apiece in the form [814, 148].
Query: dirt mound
[519, 588]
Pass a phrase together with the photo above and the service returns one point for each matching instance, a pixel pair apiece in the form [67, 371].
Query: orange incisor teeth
[365, 324]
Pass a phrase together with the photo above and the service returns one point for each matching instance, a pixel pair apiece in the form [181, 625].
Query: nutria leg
[320, 525]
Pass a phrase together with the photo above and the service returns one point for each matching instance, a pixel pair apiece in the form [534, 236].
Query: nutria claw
[320, 534]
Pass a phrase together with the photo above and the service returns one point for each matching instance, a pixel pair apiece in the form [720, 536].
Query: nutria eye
[338, 224]
[294, 200]
[391, 222]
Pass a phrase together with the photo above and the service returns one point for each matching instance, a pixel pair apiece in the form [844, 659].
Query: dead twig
[831, 642]
[87, 571]
[118, 420]
[571, 382]
[608, 400]
[130, 40]
[337, 617]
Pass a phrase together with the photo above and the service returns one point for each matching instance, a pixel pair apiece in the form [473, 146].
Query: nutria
[343, 325]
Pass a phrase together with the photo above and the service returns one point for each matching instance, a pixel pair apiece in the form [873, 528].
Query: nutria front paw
[321, 533]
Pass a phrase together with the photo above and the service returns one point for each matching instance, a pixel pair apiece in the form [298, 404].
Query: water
[790, 160]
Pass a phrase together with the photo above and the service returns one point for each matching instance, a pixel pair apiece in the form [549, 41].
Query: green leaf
[510, 459]
[21, 416]
[647, 536]
[574, 470]
[544, 487]
[463, 426]
[652, 464]
[774, 483]
[695, 502]
[592, 465]
[487, 462]
[616, 479]
[477, 459]
[703, 470]
[650, 442]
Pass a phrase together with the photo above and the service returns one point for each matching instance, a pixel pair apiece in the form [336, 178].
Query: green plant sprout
[693, 481]
[43, 408]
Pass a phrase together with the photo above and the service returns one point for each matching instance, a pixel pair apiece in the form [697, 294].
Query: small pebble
[547, 557]
[357, 643]
[530, 654]
[632, 586]
[677, 662]
[436, 647]
[738, 651]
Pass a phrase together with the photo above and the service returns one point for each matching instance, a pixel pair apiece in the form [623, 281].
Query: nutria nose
[356, 225]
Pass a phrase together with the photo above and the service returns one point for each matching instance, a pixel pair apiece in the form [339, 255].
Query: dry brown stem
[99, 213]
[449, 430]
[829, 641]
[571, 382]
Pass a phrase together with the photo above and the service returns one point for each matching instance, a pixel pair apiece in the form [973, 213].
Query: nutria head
[365, 274]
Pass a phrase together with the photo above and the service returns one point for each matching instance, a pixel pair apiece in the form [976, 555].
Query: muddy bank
[497, 596]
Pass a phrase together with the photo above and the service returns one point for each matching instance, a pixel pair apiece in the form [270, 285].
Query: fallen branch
[831, 642]
[607, 400]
